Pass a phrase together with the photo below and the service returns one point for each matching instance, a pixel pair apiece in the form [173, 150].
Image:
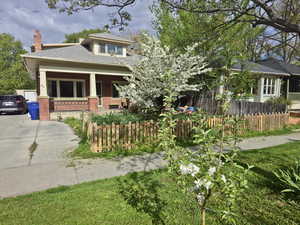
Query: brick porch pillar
[93, 104]
[44, 108]
[93, 98]
[43, 97]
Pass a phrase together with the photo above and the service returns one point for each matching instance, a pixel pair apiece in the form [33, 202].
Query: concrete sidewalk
[41, 176]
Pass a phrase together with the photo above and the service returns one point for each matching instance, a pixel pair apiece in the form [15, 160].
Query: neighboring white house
[274, 79]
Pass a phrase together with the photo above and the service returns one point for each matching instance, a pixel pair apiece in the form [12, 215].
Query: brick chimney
[37, 38]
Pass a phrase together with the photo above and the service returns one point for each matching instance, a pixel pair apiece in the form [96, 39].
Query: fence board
[108, 137]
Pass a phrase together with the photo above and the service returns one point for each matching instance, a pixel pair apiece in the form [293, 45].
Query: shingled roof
[109, 36]
[80, 54]
[269, 66]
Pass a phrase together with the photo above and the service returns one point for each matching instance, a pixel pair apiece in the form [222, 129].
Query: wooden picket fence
[126, 136]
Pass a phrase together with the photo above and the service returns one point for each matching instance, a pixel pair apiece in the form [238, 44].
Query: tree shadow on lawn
[270, 181]
[140, 190]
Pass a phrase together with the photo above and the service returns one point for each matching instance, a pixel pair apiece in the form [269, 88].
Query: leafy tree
[12, 72]
[159, 70]
[74, 37]
[221, 47]
[255, 12]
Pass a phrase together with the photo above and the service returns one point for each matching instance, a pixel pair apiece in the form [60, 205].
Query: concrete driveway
[49, 167]
[22, 172]
[18, 133]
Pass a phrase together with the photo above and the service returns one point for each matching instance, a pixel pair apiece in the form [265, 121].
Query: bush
[290, 178]
[117, 118]
[279, 100]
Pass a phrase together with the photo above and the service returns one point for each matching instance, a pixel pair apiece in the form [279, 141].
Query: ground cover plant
[118, 118]
[104, 202]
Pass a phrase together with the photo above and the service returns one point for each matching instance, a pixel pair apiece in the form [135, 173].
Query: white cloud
[20, 18]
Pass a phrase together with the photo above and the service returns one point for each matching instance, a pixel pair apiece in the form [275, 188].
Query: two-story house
[79, 76]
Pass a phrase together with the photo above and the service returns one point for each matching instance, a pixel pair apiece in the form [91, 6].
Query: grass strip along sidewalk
[102, 202]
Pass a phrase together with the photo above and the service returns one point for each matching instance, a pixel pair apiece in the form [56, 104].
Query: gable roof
[80, 54]
[110, 37]
[258, 68]
[269, 66]
[280, 65]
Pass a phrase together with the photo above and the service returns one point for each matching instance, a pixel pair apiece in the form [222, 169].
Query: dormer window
[111, 49]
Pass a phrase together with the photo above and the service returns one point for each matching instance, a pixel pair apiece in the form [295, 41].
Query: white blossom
[198, 183]
[189, 169]
[212, 171]
[223, 178]
[207, 185]
[160, 69]
[200, 198]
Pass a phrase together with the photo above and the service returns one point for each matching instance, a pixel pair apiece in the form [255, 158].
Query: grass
[286, 130]
[102, 202]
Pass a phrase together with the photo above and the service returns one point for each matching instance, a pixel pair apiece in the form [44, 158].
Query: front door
[99, 91]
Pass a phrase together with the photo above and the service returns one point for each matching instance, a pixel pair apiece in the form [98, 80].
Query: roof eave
[261, 72]
[112, 40]
[76, 61]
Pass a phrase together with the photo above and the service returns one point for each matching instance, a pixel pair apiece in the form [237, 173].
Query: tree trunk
[203, 216]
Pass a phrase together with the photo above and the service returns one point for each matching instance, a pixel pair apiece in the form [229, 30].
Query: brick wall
[69, 105]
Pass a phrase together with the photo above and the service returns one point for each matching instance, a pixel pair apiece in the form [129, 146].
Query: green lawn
[100, 202]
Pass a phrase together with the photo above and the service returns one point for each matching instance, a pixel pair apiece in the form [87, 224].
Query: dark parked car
[13, 104]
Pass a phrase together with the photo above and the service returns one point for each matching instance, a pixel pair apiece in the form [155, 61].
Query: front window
[269, 86]
[66, 88]
[111, 49]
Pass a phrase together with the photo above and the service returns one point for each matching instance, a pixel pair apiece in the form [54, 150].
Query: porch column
[261, 89]
[43, 97]
[43, 84]
[93, 99]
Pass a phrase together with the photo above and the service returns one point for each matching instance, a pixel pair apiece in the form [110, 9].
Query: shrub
[279, 100]
[117, 118]
[290, 178]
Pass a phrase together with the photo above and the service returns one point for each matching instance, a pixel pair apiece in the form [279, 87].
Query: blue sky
[21, 17]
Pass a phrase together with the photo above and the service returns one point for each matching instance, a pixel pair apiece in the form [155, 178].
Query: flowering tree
[208, 170]
[160, 72]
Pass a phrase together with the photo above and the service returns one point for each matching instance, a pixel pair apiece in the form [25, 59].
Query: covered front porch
[69, 89]
[293, 93]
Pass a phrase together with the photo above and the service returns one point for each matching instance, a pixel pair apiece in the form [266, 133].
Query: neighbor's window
[111, 49]
[269, 86]
[66, 88]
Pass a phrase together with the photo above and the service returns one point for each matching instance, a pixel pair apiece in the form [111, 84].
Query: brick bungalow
[79, 76]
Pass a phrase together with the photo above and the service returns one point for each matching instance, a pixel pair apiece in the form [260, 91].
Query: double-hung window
[66, 88]
[110, 49]
[269, 86]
